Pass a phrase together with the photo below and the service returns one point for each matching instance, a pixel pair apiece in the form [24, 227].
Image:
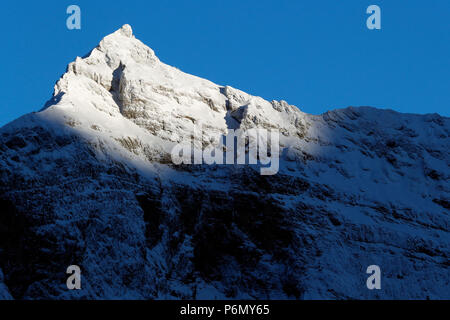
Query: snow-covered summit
[121, 92]
[88, 180]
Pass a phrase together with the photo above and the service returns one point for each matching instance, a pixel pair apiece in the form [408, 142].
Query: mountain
[89, 181]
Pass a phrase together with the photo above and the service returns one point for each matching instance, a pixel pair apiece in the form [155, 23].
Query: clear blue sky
[318, 54]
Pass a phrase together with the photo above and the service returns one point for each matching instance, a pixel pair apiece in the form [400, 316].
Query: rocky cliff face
[89, 181]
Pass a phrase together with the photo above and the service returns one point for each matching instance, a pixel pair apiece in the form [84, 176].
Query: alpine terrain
[89, 181]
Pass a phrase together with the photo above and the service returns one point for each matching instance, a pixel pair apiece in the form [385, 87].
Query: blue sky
[317, 55]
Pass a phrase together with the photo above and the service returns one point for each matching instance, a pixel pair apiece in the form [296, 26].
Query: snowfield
[89, 181]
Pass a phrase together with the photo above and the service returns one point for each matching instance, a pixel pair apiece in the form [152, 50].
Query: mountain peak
[126, 30]
[121, 46]
[122, 79]
[104, 65]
